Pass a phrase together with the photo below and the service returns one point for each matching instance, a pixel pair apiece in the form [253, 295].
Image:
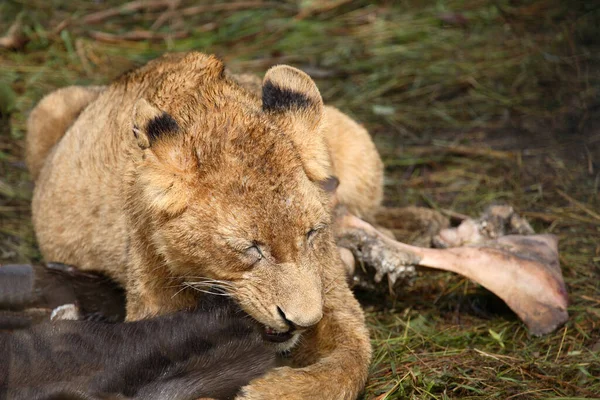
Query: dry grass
[470, 102]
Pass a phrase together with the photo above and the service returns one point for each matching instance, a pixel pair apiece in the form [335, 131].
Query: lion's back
[76, 205]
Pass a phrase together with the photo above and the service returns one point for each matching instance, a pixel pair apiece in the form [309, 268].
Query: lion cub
[178, 176]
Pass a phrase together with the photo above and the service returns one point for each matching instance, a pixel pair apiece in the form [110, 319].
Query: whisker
[212, 293]
[171, 286]
[210, 284]
[205, 277]
[222, 291]
[209, 280]
[329, 286]
[179, 291]
[195, 285]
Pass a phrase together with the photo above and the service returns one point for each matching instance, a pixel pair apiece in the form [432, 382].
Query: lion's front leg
[334, 356]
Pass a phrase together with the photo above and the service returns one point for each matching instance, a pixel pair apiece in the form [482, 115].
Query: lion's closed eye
[312, 233]
[255, 253]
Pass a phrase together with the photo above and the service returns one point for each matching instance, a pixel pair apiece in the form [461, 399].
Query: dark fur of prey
[209, 352]
[29, 293]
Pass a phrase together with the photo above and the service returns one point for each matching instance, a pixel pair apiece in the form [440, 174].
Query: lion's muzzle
[300, 300]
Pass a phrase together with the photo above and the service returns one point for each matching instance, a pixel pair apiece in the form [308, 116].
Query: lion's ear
[151, 124]
[291, 95]
[287, 89]
[167, 165]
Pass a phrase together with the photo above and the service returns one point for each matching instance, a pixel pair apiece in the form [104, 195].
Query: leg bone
[521, 270]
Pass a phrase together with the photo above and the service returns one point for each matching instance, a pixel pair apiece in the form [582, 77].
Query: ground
[470, 102]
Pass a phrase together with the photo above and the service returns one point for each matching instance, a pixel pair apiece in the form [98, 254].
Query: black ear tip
[161, 126]
[330, 184]
[275, 98]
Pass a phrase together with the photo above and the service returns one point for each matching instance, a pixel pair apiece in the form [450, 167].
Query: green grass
[470, 102]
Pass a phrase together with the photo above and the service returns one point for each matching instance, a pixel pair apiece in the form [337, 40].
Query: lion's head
[229, 183]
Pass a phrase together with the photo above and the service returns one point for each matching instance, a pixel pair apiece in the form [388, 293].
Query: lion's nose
[301, 318]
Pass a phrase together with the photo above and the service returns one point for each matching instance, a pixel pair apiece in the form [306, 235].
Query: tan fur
[155, 213]
[305, 122]
[355, 162]
[51, 118]
[353, 156]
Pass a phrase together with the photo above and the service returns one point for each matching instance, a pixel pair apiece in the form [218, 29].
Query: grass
[469, 102]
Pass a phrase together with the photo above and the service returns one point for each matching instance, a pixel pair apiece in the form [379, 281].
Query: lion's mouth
[272, 335]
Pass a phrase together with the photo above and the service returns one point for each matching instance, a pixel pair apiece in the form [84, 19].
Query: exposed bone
[496, 221]
[373, 248]
[521, 270]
